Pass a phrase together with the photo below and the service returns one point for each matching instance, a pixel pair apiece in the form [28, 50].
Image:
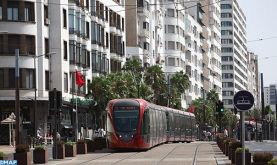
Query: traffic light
[219, 108]
[55, 101]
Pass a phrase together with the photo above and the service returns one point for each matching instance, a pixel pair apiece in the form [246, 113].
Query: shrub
[22, 148]
[240, 150]
[262, 157]
[272, 162]
[235, 144]
[70, 143]
[1, 154]
[60, 142]
[81, 141]
[40, 148]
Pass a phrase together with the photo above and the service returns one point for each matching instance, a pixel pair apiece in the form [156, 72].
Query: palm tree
[154, 76]
[179, 84]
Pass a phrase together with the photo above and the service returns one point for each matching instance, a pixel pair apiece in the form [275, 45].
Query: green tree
[154, 77]
[179, 84]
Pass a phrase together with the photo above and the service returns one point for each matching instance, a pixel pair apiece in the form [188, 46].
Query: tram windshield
[126, 118]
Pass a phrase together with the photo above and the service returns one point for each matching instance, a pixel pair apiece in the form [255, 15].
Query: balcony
[143, 11]
[144, 33]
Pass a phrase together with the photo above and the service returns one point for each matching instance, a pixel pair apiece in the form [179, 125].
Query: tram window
[167, 121]
[126, 120]
[146, 123]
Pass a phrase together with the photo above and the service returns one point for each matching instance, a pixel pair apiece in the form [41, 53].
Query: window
[27, 78]
[13, 43]
[72, 51]
[226, 6]
[170, 29]
[226, 41]
[30, 44]
[29, 11]
[226, 50]
[11, 81]
[64, 50]
[226, 23]
[227, 84]
[226, 32]
[87, 29]
[12, 11]
[146, 25]
[64, 18]
[123, 24]
[47, 80]
[170, 12]
[88, 59]
[2, 78]
[46, 20]
[226, 15]
[170, 61]
[65, 81]
[1, 14]
[171, 45]
[71, 21]
[46, 47]
[146, 45]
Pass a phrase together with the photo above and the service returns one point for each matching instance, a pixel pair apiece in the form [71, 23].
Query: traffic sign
[243, 100]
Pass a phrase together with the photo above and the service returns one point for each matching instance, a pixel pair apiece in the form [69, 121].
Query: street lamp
[35, 107]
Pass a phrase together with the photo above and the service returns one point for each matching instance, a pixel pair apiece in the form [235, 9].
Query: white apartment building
[253, 77]
[55, 38]
[194, 58]
[215, 78]
[233, 51]
[145, 31]
[270, 96]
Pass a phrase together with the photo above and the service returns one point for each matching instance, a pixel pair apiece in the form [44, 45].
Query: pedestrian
[225, 132]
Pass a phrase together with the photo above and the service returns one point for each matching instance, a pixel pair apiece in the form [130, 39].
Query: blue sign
[8, 162]
[243, 100]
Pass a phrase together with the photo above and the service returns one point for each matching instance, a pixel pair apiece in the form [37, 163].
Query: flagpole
[76, 119]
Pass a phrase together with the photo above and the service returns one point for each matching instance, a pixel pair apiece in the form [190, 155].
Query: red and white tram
[139, 125]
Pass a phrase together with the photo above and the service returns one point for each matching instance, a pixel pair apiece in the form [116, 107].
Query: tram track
[166, 155]
[194, 162]
[107, 155]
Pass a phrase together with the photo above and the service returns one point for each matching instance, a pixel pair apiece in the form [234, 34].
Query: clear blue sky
[262, 23]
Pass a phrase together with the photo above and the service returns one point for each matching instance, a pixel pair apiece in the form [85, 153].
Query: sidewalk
[221, 159]
[8, 150]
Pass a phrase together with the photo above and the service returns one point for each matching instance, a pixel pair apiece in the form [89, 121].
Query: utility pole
[17, 101]
[263, 109]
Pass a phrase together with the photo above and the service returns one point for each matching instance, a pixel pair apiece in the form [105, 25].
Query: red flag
[79, 79]
[191, 109]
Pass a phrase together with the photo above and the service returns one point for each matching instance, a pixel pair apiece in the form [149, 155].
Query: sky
[261, 23]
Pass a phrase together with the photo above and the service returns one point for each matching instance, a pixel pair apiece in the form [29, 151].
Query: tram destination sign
[243, 100]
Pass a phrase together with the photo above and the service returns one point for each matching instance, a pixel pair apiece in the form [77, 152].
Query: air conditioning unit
[47, 21]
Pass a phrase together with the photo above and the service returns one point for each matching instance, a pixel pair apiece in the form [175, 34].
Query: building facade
[270, 96]
[145, 31]
[253, 77]
[55, 39]
[233, 51]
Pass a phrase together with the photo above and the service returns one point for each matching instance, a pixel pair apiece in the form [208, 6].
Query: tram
[136, 124]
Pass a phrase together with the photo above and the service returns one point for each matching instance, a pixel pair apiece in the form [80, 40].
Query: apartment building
[208, 17]
[270, 96]
[55, 39]
[253, 77]
[145, 31]
[194, 58]
[233, 51]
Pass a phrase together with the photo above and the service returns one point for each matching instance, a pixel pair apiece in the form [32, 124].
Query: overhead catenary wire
[262, 39]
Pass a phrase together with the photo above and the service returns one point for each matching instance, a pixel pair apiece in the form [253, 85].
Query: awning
[9, 120]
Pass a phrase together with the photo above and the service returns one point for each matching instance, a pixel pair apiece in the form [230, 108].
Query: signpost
[243, 101]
